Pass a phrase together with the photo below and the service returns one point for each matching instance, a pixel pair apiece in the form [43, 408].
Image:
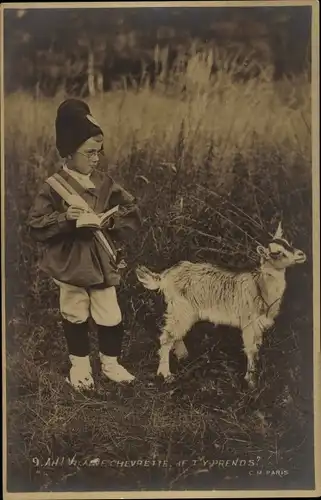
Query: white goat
[248, 300]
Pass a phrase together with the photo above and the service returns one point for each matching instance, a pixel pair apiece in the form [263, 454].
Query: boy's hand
[74, 212]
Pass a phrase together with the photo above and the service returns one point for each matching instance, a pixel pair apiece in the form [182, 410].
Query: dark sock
[110, 339]
[76, 335]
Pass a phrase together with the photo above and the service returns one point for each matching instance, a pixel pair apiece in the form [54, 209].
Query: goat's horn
[279, 231]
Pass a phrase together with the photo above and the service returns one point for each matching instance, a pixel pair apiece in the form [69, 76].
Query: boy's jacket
[72, 255]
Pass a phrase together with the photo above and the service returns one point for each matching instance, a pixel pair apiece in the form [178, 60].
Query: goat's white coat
[200, 291]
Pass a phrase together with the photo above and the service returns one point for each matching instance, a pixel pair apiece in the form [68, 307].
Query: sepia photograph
[160, 279]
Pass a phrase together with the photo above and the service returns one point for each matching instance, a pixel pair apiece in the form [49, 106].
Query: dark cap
[74, 125]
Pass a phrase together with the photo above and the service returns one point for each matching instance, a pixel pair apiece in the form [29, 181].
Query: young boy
[84, 262]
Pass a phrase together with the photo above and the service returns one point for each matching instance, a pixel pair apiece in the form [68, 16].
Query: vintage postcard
[160, 237]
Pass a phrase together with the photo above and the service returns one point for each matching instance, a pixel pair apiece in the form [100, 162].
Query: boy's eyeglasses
[91, 155]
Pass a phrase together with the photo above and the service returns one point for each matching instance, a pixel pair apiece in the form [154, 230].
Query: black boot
[78, 347]
[76, 335]
[110, 339]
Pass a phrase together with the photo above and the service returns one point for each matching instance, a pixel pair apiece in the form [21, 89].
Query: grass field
[213, 170]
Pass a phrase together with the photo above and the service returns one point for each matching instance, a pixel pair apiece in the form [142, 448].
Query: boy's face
[86, 158]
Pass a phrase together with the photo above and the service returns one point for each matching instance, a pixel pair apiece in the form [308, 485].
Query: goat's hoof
[167, 376]
[181, 354]
[250, 381]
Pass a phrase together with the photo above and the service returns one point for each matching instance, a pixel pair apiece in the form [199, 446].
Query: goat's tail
[148, 278]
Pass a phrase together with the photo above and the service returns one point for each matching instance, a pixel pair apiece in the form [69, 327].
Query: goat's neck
[272, 286]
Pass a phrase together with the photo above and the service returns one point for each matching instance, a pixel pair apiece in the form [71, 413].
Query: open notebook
[96, 221]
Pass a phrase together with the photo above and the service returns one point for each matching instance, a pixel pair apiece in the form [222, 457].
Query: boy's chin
[87, 171]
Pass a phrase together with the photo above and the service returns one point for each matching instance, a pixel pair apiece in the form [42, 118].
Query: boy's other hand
[74, 212]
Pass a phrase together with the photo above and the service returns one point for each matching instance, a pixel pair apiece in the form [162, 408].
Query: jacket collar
[95, 178]
[83, 179]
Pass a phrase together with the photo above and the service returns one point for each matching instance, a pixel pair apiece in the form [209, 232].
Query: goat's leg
[178, 323]
[252, 338]
[262, 324]
[166, 345]
[180, 350]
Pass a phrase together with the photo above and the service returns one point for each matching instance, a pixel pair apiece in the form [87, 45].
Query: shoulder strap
[56, 186]
[67, 192]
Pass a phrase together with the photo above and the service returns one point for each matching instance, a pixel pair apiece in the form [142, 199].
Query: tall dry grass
[234, 116]
[214, 169]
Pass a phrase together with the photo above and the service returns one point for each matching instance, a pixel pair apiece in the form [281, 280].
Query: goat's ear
[262, 251]
[279, 231]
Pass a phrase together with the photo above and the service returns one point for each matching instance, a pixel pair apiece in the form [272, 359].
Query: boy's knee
[74, 303]
[117, 317]
[107, 316]
[76, 317]
[105, 309]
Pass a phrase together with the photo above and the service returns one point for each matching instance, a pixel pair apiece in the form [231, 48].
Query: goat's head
[280, 253]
